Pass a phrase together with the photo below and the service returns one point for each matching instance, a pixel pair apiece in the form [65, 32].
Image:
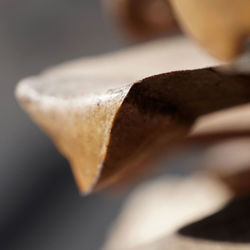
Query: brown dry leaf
[109, 125]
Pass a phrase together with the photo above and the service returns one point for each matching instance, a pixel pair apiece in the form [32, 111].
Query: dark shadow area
[158, 112]
[231, 224]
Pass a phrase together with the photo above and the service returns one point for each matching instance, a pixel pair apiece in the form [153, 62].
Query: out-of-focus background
[40, 204]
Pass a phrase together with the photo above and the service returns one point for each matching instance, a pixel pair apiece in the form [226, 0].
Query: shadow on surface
[231, 224]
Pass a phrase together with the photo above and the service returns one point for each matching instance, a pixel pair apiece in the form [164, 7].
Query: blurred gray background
[40, 205]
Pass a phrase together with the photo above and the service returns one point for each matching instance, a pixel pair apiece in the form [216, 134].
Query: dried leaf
[108, 125]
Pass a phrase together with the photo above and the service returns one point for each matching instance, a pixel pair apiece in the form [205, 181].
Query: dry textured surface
[76, 103]
[110, 120]
[110, 127]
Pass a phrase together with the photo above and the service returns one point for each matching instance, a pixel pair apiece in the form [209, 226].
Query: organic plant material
[110, 124]
[220, 26]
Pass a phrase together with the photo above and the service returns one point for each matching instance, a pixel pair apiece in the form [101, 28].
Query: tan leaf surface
[109, 125]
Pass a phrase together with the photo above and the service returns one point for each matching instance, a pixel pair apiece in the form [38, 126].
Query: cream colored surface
[160, 207]
[232, 119]
[228, 157]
